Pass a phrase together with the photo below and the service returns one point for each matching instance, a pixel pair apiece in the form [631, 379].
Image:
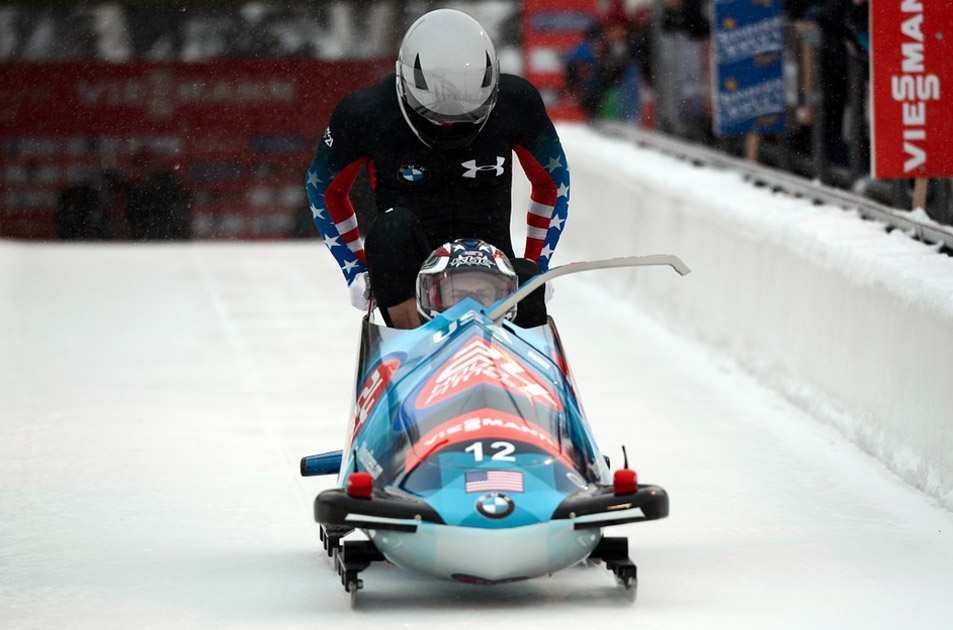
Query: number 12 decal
[503, 451]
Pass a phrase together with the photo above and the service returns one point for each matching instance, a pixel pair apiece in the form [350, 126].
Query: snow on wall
[852, 323]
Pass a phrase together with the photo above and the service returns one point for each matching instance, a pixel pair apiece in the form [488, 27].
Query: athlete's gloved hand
[360, 290]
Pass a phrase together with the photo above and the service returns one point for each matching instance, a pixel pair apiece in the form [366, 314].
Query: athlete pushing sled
[468, 456]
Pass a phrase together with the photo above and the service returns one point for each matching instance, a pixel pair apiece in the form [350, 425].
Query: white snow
[156, 400]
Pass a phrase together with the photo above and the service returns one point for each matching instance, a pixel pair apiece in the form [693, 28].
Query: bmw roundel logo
[495, 505]
[413, 174]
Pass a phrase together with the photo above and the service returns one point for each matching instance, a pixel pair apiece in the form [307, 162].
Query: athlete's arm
[329, 179]
[541, 156]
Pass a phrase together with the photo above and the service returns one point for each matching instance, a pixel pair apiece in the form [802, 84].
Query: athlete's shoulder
[520, 97]
[521, 109]
[515, 86]
[364, 103]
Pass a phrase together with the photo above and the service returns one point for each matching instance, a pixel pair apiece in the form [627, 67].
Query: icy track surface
[156, 401]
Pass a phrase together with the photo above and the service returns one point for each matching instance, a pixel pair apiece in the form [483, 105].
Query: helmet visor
[451, 113]
[450, 106]
[452, 287]
[452, 135]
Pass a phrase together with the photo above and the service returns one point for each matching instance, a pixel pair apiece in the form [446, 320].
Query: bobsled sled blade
[322, 464]
[535, 282]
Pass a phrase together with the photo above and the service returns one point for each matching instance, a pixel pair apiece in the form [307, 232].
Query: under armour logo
[473, 169]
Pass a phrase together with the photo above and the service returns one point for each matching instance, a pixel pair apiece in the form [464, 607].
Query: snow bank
[852, 323]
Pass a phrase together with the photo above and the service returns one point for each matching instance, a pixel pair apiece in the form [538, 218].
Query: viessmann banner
[239, 134]
[912, 80]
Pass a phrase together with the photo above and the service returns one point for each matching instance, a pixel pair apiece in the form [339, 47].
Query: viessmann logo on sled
[481, 425]
[482, 363]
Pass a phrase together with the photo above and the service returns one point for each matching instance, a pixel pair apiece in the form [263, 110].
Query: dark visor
[448, 136]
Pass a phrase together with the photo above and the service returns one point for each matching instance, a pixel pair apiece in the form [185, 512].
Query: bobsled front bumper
[382, 511]
[410, 534]
[391, 513]
[604, 507]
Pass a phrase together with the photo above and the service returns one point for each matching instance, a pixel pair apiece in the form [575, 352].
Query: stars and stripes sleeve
[328, 181]
[548, 174]
[542, 158]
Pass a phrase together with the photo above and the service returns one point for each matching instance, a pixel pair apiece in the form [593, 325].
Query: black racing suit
[453, 194]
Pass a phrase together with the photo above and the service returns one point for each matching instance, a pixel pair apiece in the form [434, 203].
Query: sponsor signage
[495, 505]
[747, 60]
[912, 88]
[238, 134]
[480, 425]
[371, 392]
[480, 362]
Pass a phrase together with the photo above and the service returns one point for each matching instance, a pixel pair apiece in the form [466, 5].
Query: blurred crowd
[844, 41]
[611, 73]
[623, 54]
[649, 61]
[118, 30]
[147, 203]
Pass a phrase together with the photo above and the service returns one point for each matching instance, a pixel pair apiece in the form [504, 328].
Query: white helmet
[448, 78]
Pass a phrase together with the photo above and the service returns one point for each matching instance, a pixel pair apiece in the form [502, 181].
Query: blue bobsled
[468, 456]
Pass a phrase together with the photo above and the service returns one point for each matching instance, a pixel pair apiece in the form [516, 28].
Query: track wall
[854, 324]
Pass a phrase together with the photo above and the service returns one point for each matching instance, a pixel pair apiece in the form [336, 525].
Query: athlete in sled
[468, 456]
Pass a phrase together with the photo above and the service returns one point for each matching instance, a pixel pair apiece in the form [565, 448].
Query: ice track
[156, 399]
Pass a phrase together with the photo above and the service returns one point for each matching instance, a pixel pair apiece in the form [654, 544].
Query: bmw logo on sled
[468, 456]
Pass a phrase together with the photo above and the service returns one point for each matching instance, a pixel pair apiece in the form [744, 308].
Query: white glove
[360, 290]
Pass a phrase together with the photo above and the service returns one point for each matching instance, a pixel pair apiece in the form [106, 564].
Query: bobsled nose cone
[487, 555]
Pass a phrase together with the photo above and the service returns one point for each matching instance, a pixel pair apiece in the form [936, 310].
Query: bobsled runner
[468, 456]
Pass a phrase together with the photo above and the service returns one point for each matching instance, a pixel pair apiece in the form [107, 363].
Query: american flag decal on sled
[489, 480]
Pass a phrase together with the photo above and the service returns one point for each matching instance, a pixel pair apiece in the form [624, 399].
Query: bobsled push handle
[535, 282]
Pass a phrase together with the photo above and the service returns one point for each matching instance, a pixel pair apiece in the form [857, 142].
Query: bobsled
[468, 455]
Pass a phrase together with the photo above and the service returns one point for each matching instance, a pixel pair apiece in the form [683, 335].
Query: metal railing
[786, 182]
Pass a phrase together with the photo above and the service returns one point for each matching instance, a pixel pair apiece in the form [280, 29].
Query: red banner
[912, 81]
[239, 135]
[551, 28]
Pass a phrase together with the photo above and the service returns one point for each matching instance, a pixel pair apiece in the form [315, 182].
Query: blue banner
[748, 47]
